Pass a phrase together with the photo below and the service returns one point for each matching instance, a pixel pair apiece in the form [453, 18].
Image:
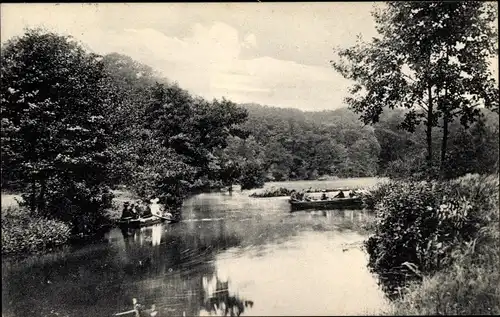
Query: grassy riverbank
[436, 246]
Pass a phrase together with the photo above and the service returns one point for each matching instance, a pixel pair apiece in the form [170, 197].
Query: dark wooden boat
[130, 222]
[334, 203]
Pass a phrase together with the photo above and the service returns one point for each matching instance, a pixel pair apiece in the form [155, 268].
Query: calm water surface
[231, 254]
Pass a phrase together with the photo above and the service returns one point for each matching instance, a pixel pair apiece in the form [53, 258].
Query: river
[230, 253]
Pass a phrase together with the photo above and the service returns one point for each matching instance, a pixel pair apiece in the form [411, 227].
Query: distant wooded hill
[295, 144]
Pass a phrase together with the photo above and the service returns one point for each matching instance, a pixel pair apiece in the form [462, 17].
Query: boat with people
[142, 222]
[334, 203]
[139, 214]
[301, 201]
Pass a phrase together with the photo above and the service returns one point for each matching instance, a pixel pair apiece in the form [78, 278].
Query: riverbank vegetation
[23, 233]
[283, 191]
[435, 245]
[273, 192]
[432, 61]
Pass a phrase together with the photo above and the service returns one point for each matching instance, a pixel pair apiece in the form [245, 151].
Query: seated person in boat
[300, 195]
[146, 211]
[293, 195]
[155, 207]
[143, 209]
[134, 212]
[138, 208]
[126, 211]
[138, 308]
[307, 198]
[323, 196]
[352, 194]
[340, 195]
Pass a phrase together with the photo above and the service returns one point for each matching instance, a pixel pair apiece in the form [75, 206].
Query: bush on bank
[24, 233]
[374, 196]
[467, 287]
[273, 192]
[422, 226]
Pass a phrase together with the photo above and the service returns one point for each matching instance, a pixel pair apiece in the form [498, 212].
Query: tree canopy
[432, 59]
[55, 132]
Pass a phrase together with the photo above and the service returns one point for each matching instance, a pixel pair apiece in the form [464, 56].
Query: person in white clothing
[155, 207]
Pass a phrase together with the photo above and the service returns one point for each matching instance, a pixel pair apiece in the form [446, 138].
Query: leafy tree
[364, 153]
[430, 58]
[130, 83]
[277, 160]
[306, 145]
[184, 137]
[54, 129]
[247, 158]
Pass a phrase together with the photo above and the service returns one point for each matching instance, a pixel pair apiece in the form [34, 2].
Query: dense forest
[292, 144]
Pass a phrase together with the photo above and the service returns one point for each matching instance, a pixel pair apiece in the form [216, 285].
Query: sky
[276, 54]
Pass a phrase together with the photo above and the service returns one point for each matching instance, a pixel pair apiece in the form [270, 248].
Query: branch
[461, 110]
[419, 103]
[413, 80]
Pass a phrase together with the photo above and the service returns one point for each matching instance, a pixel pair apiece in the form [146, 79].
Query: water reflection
[187, 274]
[219, 301]
[230, 252]
[150, 235]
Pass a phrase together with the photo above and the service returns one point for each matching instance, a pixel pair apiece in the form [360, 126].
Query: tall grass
[470, 286]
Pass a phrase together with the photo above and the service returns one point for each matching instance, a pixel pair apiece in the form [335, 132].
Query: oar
[163, 217]
[125, 312]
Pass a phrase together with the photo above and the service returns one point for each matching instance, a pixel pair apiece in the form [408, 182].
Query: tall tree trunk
[41, 198]
[444, 143]
[33, 195]
[446, 119]
[430, 121]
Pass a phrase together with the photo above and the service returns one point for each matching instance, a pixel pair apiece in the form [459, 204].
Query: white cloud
[207, 61]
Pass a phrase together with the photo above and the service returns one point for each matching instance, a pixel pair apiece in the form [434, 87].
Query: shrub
[24, 233]
[413, 166]
[273, 192]
[479, 189]
[470, 284]
[79, 204]
[374, 195]
[419, 224]
[252, 175]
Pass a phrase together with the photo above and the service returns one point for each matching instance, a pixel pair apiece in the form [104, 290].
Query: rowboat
[334, 203]
[142, 222]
